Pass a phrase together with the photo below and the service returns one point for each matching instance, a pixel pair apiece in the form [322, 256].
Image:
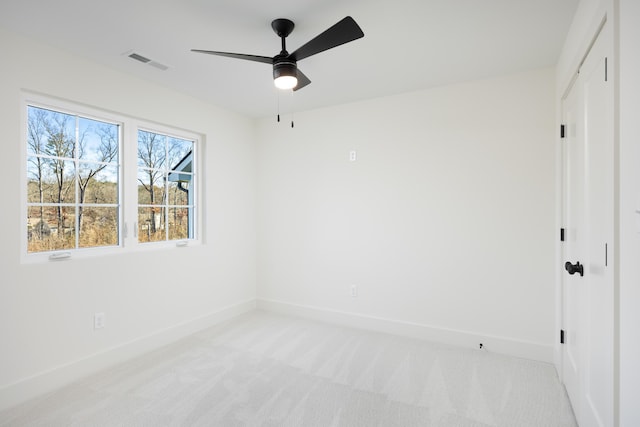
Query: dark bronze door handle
[574, 268]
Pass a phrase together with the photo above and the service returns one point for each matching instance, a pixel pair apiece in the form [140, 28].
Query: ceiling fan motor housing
[284, 67]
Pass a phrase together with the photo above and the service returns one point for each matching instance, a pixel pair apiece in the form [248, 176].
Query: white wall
[629, 176]
[445, 222]
[46, 310]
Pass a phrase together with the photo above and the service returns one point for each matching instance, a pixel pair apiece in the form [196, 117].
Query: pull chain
[278, 107]
[292, 109]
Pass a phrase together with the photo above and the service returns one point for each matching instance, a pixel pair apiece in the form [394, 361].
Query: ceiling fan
[286, 74]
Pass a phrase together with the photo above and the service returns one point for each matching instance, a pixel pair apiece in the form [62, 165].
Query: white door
[588, 200]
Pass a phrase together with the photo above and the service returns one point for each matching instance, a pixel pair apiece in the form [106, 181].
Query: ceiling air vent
[145, 60]
[139, 57]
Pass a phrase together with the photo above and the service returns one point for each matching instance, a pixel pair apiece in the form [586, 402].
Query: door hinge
[561, 336]
[606, 70]
[562, 234]
[561, 131]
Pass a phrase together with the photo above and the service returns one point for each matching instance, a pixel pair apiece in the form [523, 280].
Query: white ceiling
[408, 44]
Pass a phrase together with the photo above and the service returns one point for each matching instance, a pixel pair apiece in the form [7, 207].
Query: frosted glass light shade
[286, 82]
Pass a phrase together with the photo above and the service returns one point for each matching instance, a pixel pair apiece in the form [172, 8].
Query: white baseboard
[55, 378]
[496, 344]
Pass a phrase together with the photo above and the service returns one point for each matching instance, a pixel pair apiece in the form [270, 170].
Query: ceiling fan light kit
[286, 74]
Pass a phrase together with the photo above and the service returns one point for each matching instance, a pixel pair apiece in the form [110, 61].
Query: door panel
[588, 215]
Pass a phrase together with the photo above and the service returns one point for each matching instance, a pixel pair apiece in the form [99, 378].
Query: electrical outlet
[98, 321]
[353, 156]
[354, 291]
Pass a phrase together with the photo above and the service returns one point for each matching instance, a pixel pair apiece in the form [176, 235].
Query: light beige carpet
[263, 369]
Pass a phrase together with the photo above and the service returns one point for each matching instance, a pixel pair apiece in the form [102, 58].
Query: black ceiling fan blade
[343, 32]
[302, 80]
[255, 58]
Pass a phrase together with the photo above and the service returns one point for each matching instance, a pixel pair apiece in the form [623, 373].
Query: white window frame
[128, 188]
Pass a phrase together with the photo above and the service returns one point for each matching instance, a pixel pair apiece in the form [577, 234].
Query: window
[92, 176]
[72, 181]
[165, 190]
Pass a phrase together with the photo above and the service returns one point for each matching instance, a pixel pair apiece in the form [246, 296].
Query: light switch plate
[98, 321]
